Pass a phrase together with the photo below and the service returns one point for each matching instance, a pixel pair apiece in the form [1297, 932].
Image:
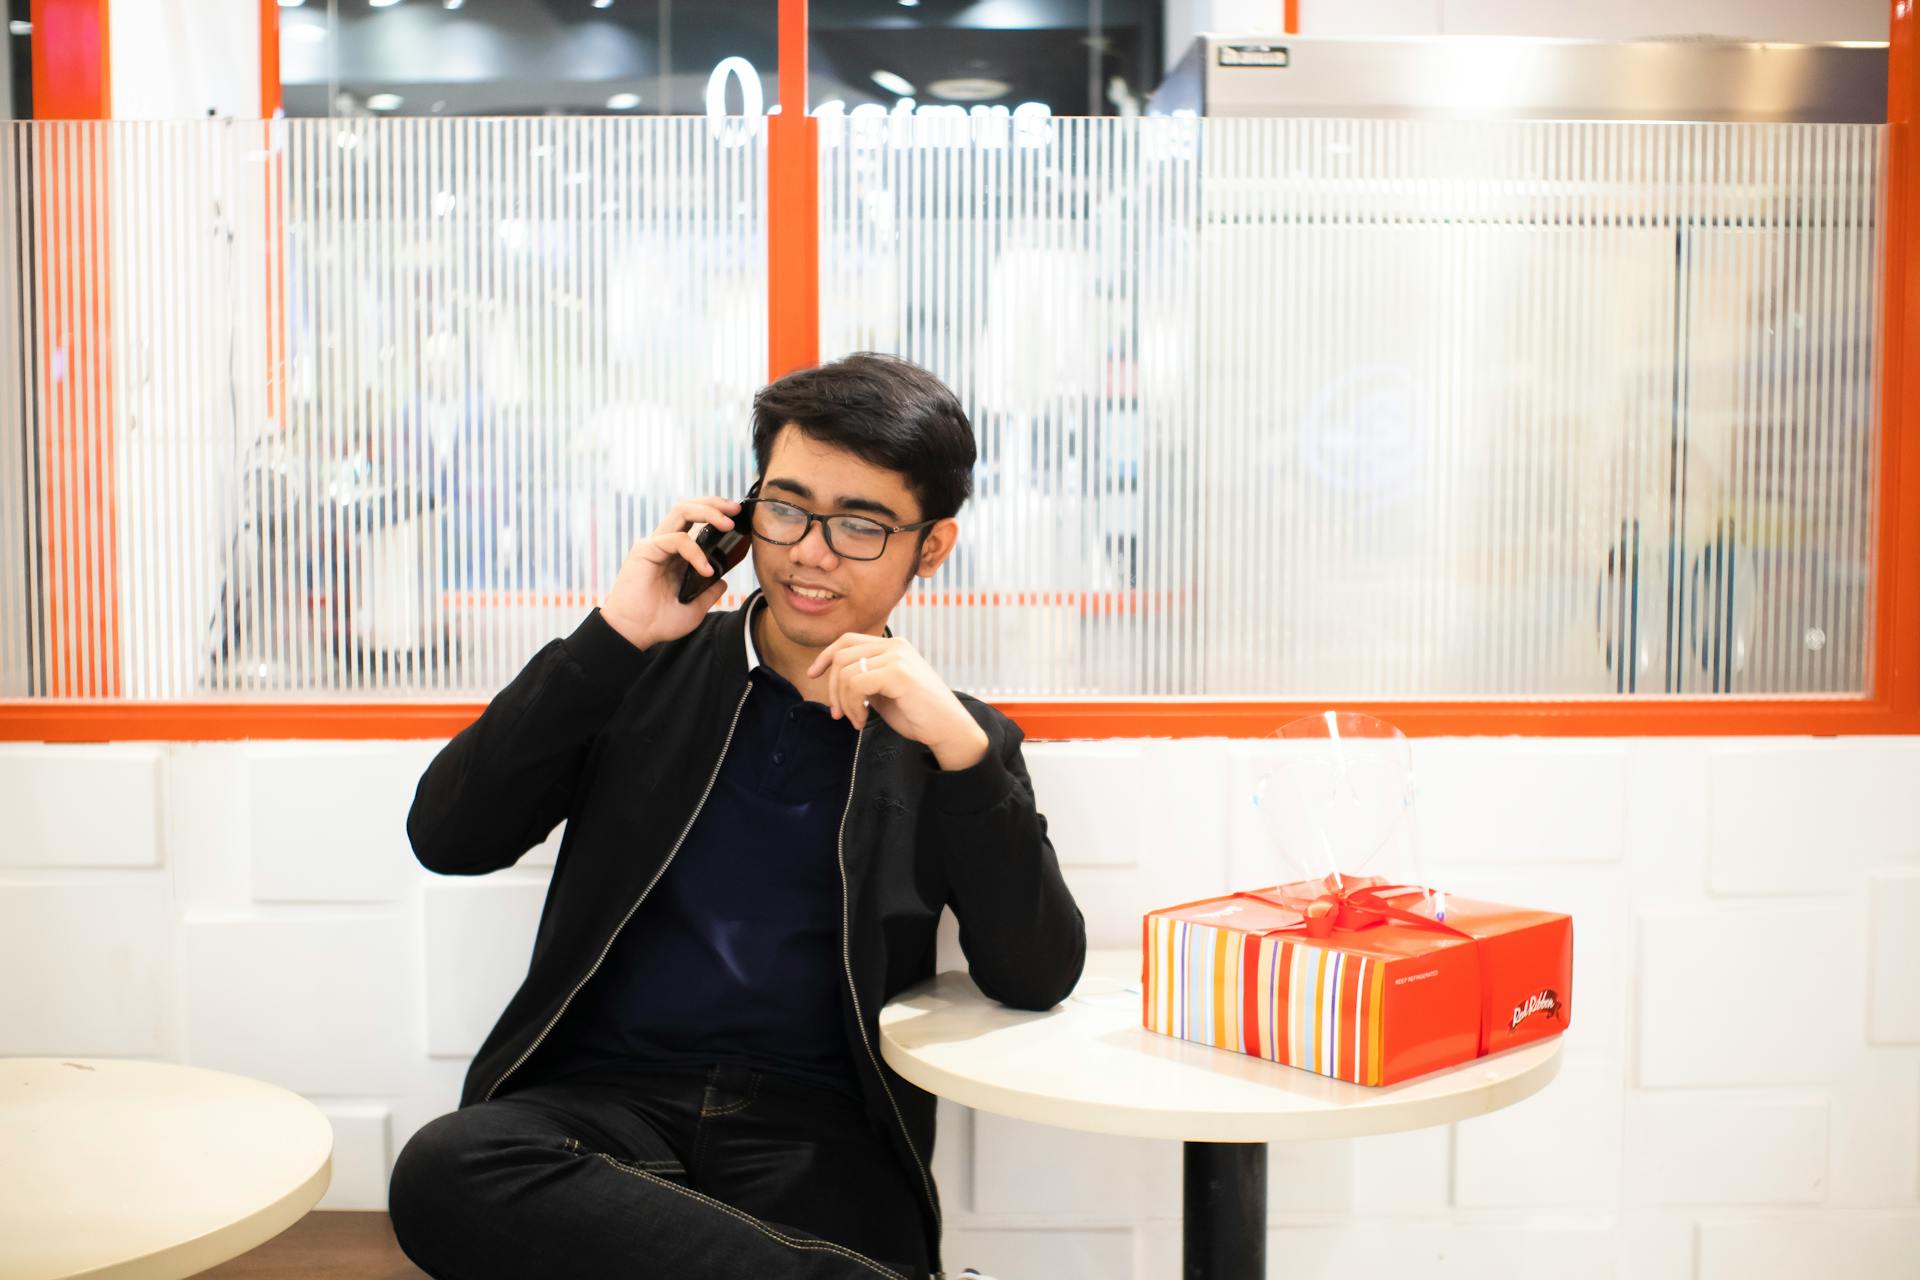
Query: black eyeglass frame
[826, 531]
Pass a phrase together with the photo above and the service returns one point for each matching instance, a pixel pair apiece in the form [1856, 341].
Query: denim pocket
[729, 1092]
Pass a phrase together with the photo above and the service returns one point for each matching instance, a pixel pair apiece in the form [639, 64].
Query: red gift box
[1362, 984]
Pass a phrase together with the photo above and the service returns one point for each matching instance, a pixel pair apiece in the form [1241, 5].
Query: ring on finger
[863, 666]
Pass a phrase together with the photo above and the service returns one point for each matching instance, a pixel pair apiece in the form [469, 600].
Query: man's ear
[938, 546]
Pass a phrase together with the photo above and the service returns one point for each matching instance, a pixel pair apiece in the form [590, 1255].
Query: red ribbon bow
[1366, 907]
[1351, 910]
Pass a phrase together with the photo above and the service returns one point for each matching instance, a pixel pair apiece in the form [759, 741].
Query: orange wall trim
[49, 720]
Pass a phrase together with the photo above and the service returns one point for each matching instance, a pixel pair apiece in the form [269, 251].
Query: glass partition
[1378, 409]
[1321, 409]
[382, 402]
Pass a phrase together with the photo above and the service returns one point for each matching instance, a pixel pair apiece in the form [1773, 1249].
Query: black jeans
[724, 1173]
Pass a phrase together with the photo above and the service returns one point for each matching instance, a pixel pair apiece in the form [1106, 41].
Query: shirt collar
[753, 607]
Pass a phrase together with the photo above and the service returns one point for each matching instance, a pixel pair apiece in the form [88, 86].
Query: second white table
[1089, 1064]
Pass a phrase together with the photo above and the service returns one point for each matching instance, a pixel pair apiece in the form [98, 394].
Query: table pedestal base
[1225, 1231]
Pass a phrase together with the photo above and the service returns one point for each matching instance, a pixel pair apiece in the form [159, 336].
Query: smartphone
[723, 548]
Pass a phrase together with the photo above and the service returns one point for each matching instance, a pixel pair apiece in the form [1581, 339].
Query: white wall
[1741, 1092]
[181, 59]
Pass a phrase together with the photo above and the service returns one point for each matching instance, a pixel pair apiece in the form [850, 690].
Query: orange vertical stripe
[1167, 972]
[1896, 676]
[274, 198]
[1319, 1002]
[1283, 1019]
[1250, 950]
[1343, 1016]
[269, 58]
[75, 431]
[793, 209]
[1374, 1023]
[1290, 17]
[1222, 981]
[69, 55]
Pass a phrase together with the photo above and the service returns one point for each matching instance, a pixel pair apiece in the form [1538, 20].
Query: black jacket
[624, 745]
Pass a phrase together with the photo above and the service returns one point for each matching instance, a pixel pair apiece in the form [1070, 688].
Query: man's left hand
[888, 676]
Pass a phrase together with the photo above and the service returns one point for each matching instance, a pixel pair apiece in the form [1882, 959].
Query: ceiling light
[383, 102]
[603, 4]
[452, 4]
[381, 4]
[892, 83]
[910, 4]
[623, 102]
[291, 4]
[968, 89]
[19, 28]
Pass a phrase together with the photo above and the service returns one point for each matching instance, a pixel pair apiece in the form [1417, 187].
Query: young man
[766, 812]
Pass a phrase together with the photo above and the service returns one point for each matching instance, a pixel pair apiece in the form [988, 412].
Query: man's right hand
[644, 602]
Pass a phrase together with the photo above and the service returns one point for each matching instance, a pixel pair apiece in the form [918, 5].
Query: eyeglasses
[854, 537]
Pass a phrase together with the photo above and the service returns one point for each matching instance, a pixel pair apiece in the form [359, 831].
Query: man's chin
[814, 630]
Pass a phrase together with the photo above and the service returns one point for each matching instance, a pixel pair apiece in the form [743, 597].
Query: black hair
[884, 410]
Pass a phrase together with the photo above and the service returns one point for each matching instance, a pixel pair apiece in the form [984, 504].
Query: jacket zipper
[846, 958]
[711, 779]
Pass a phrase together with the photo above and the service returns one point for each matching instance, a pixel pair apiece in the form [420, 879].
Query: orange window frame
[793, 342]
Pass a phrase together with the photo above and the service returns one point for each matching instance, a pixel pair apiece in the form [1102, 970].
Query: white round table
[120, 1168]
[1089, 1064]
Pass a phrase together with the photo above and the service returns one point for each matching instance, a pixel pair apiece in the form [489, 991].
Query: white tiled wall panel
[478, 936]
[272, 997]
[1740, 1094]
[1795, 1246]
[1746, 996]
[345, 844]
[1060, 1252]
[1309, 1181]
[87, 806]
[1096, 821]
[1513, 801]
[86, 967]
[1873, 1113]
[1808, 817]
[207, 834]
[1022, 1169]
[1559, 1147]
[1893, 969]
[362, 1155]
[1698, 1148]
[1401, 1175]
[1460, 1250]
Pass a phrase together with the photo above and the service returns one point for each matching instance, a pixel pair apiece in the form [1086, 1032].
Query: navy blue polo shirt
[735, 955]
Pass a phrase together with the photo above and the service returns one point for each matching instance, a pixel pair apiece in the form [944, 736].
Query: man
[766, 811]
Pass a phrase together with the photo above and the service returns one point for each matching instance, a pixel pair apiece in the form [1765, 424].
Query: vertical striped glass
[1266, 408]
[1384, 408]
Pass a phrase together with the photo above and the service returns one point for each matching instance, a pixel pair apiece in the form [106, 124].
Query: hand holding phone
[645, 603]
[723, 547]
